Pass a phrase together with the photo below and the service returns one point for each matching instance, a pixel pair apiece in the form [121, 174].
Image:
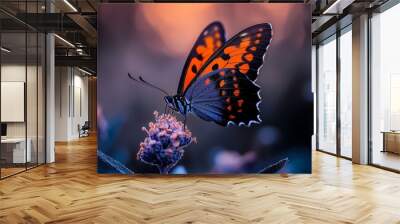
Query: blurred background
[153, 40]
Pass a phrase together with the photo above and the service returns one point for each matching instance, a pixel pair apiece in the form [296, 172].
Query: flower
[165, 142]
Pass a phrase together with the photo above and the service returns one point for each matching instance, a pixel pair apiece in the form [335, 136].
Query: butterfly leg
[184, 123]
[167, 110]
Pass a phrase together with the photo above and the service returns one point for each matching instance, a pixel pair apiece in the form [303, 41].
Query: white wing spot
[243, 34]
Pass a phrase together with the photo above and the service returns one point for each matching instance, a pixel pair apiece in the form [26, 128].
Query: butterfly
[218, 78]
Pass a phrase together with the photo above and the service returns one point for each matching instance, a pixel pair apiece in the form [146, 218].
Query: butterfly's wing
[225, 96]
[210, 39]
[244, 52]
[225, 91]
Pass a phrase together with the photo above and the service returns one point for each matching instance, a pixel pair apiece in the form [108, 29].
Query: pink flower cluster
[163, 146]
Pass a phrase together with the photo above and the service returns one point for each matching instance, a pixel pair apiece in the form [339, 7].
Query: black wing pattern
[210, 40]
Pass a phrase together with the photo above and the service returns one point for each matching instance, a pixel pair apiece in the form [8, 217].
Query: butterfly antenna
[146, 83]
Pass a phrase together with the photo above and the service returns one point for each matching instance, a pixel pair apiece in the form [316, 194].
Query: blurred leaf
[276, 167]
[114, 163]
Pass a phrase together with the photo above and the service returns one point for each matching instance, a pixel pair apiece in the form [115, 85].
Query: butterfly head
[178, 103]
[169, 100]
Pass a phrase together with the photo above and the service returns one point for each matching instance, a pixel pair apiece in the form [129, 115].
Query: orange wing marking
[236, 55]
[204, 51]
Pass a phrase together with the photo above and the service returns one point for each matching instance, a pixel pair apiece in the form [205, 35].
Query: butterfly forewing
[211, 39]
[244, 52]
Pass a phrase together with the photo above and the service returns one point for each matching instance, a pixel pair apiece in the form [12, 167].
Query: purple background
[154, 39]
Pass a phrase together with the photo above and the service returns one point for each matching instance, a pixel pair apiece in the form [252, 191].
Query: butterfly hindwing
[243, 52]
[210, 39]
[225, 96]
